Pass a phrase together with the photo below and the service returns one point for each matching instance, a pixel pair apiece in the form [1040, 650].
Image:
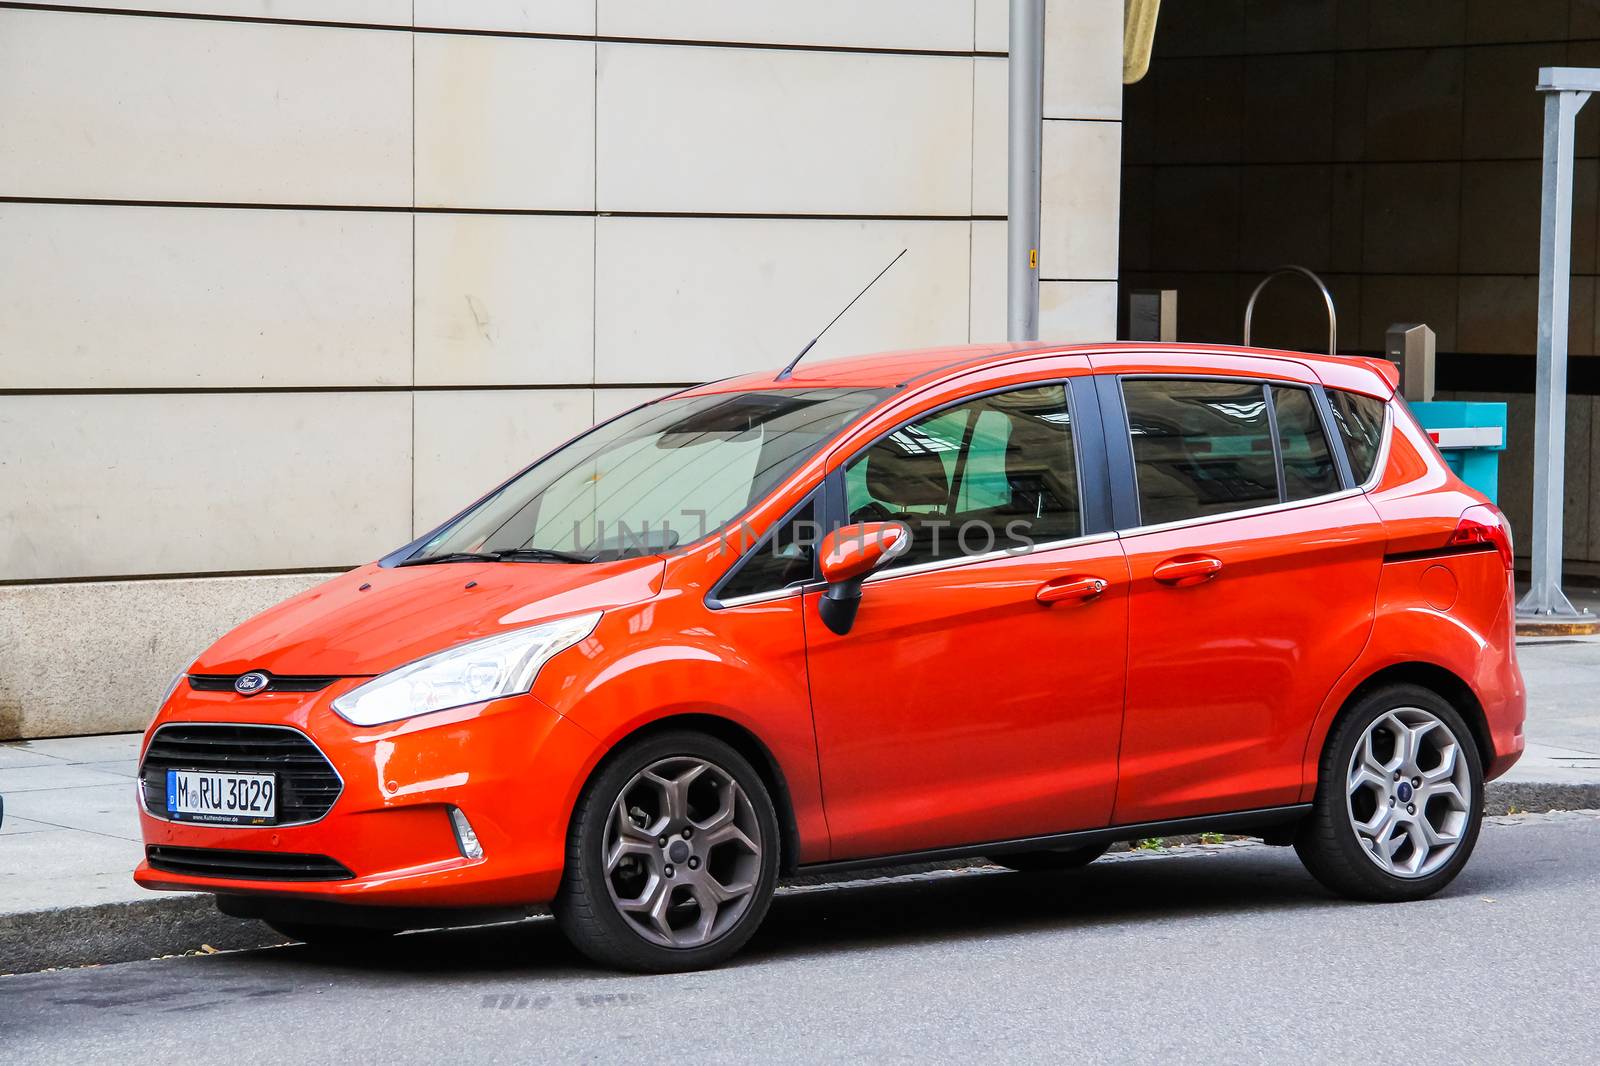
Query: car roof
[897, 368]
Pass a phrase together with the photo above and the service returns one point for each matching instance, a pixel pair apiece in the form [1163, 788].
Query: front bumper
[513, 766]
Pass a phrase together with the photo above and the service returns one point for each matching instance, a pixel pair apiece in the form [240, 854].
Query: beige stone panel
[731, 130]
[112, 107]
[152, 297]
[504, 299]
[1083, 59]
[188, 484]
[992, 26]
[469, 441]
[1081, 181]
[988, 292]
[943, 25]
[122, 641]
[688, 300]
[368, 12]
[504, 122]
[989, 161]
[1072, 311]
[608, 403]
[515, 16]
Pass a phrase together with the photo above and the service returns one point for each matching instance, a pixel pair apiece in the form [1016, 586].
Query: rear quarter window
[1360, 420]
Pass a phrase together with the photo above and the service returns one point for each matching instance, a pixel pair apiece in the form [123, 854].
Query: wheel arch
[738, 737]
[1445, 683]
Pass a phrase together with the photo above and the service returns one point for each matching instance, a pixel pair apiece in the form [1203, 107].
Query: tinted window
[1199, 447]
[1308, 468]
[1360, 422]
[999, 472]
[783, 559]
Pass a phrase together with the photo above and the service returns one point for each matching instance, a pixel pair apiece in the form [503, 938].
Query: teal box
[1471, 437]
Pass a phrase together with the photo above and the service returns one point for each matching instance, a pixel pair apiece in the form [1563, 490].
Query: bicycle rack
[1327, 298]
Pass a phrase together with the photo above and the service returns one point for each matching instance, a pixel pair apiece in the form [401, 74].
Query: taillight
[1482, 524]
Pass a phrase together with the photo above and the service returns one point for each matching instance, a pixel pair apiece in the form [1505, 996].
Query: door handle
[1183, 570]
[1078, 587]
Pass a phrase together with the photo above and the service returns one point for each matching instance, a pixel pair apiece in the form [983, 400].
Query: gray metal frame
[1566, 90]
[1025, 136]
[1327, 299]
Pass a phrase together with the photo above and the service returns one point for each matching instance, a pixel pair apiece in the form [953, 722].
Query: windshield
[655, 478]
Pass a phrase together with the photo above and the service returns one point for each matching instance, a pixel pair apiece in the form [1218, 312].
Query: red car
[1009, 602]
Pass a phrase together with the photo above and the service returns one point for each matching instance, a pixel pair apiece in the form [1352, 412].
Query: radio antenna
[784, 373]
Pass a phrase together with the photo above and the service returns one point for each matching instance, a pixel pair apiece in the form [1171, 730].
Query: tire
[669, 902]
[336, 938]
[1378, 751]
[1038, 862]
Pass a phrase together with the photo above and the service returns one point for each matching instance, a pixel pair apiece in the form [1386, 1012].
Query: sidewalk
[70, 838]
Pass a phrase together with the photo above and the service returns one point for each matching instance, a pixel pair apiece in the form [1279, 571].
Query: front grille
[224, 683]
[245, 865]
[306, 782]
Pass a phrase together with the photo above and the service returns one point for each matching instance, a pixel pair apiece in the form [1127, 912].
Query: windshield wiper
[504, 555]
[542, 555]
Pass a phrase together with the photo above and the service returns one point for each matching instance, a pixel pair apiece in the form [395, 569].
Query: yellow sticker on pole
[1033, 259]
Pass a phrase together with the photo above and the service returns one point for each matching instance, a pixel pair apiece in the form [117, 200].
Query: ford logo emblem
[251, 683]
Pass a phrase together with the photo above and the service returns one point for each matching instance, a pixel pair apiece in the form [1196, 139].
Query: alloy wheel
[682, 852]
[1409, 792]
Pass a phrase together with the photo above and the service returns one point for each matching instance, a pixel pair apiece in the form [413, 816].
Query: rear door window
[1308, 469]
[1199, 447]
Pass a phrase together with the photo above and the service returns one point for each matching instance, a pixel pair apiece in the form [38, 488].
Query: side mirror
[849, 555]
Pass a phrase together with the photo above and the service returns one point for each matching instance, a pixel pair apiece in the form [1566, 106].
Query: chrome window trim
[1250, 512]
[761, 597]
[1382, 460]
[934, 565]
[145, 807]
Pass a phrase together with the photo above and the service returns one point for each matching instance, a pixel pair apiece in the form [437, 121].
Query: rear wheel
[672, 856]
[1399, 798]
[1037, 862]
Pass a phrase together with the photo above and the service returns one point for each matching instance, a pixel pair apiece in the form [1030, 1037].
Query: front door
[1253, 573]
[979, 695]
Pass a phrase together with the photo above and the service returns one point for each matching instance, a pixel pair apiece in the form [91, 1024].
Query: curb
[122, 932]
[173, 924]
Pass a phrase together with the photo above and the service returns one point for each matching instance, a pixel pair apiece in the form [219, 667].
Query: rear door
[1253, 570]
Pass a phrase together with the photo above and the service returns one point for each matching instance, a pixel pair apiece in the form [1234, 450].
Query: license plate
[227, 799]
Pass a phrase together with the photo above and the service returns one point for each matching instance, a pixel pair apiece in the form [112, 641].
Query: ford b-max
[1008, 602]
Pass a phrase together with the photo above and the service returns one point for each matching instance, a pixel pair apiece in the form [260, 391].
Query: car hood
[376, 618]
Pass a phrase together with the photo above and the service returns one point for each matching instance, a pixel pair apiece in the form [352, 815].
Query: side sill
[1236, 821]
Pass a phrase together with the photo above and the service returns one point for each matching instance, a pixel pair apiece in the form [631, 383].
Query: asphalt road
[1224, 954]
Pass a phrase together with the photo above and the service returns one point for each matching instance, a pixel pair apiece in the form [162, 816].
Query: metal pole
[1025, 132]
[1561, 107]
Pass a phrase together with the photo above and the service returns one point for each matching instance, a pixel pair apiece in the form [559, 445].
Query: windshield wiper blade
[504, 555]
[543, 555]
[448, 557]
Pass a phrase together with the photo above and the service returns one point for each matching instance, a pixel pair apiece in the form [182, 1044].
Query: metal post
[1025, 132]
[1566, 90]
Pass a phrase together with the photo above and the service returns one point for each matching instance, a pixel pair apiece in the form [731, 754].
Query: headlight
[501, 665]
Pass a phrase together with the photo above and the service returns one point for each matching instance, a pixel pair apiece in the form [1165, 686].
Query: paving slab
[104, 809]
[55, 776]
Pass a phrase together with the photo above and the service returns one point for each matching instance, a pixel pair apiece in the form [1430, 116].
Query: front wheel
[1399, 798]
[672, 856]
